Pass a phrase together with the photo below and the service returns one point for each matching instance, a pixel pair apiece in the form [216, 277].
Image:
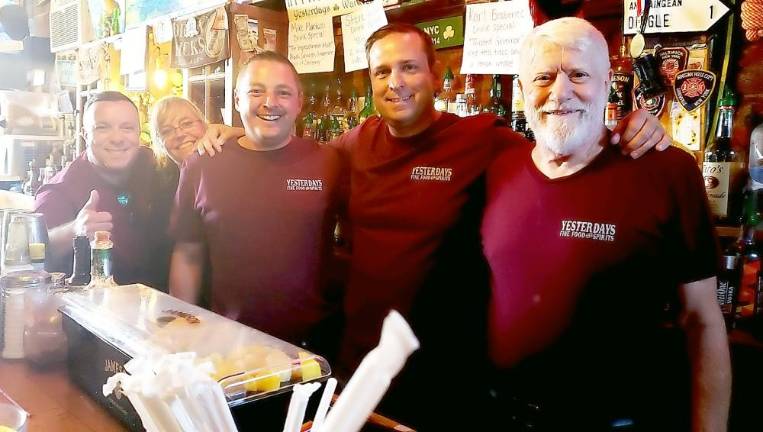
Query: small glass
[11, 414]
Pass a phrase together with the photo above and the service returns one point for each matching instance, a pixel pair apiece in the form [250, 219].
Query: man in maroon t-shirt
[110, 187]
[262, 211]
[416, 200]
[586, 247]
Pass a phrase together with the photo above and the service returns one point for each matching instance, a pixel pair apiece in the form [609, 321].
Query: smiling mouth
[563, 112]
[400, 99]
[269, 117]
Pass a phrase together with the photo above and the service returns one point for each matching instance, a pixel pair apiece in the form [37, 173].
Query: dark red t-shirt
[582, 266]
[266, 218]
[415, 210]
[135, 244]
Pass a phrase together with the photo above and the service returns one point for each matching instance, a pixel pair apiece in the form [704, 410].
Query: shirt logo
[304, 184]
[588, 230]
[431, 174]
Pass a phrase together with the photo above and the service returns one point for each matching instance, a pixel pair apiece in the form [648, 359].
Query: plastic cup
[13, 417]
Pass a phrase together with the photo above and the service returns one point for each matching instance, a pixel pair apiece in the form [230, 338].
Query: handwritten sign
[311, 45]
[133, 56]
[306, 9]
[356, 28]
[492, 37]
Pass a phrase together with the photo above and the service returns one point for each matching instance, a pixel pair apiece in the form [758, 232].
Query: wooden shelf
[728, 231]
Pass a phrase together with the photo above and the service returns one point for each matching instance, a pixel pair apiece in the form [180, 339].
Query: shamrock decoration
[448, 33]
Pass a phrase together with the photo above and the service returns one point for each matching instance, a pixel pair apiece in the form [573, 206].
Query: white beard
[565, 135]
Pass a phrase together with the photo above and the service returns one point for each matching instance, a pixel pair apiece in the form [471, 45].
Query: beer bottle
[368, 106]
[496, 105]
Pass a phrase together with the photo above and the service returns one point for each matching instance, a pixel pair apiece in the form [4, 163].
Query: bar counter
[53, 402]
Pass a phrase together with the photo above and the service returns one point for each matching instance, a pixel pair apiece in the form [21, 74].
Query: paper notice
[243, 35]
[492, 36]
[133, 56]
[311, 45]
[356, 28]
[307, 9]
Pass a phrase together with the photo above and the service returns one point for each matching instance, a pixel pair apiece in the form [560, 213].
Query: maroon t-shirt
[582, 268]
[266, 218]
[415, 210]
[133, 215]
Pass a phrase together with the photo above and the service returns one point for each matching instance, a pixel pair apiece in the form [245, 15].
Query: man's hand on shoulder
[638, 132]
[89, 219]
[213, 140]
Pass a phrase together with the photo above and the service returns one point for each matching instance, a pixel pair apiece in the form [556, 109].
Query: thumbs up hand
[89, 219]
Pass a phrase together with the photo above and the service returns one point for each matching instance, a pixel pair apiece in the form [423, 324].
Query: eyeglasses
[171, 131]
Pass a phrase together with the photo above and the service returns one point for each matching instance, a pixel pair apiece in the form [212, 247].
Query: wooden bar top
[53, 402]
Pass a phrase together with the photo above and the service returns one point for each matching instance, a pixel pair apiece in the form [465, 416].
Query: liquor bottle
[81, 269]
[728, 285]
[352, 110]
[335, 128]
[32, 183]
[368, 106]
[721, 166]
[101, 262]
[446, 99]
[755, 161]
[518, 120]
[472, 103]
[622, 82]
[496, 105]
[339, 110]
[610, 112]
[310, 117]
[746, 248]
[461, 106]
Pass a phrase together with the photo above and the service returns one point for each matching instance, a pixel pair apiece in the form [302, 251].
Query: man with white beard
[586, 248]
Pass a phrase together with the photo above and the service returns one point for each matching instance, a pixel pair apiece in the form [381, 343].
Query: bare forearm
[711, 376]
[186, 271]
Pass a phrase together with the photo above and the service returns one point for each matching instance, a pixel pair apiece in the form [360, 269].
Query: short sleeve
[698, 257]
[186, 223]
[55, 206]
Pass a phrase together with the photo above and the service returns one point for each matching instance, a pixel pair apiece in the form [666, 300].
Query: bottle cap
[102, 236]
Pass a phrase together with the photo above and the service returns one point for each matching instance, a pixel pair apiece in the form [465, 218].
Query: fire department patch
[693, 88]
[671, 61]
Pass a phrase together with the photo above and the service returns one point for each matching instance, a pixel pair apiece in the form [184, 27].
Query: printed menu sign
[311, 45]
[492, 37]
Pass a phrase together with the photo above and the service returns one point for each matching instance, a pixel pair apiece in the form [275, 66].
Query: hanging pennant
[693, 88]
[671, 61]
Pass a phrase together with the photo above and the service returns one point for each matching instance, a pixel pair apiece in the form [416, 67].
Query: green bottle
[368, 106]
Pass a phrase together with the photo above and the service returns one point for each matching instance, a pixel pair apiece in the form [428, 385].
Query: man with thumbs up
[110, 187]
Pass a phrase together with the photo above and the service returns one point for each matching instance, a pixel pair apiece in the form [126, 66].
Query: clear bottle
[755, 161]
[518, 119]
[101, 261]
[749, 288]
[721, 166]
[461, 106]
[446, 99]
[309, 119]
[472, 101]
[352, 110]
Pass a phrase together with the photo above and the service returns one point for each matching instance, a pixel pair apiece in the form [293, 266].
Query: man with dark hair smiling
[262, 211]
[110, 187]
